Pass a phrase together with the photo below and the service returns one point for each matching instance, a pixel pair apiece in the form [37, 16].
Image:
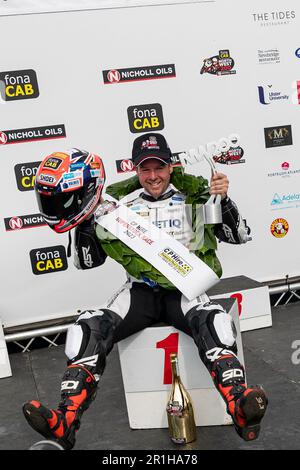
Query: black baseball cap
[148, 146]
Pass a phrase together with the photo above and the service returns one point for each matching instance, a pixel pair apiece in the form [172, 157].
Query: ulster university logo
[19, 85]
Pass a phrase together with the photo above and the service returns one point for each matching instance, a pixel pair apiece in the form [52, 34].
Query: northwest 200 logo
[19, 85]
[16, 136]
[221, 64]
[148, 72]
[48, 260]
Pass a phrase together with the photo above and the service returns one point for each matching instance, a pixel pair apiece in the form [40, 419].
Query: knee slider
[90, 339]
[213, 328]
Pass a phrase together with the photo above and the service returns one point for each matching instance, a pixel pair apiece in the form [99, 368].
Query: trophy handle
[212, 210]
[211, 164]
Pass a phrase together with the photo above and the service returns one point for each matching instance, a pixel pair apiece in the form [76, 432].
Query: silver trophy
[212, 208]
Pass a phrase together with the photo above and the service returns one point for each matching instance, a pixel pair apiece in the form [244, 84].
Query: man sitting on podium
[160, 194]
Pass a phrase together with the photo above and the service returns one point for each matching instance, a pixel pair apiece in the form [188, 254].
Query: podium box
[146, 371]
[5, 370]
[252, 297]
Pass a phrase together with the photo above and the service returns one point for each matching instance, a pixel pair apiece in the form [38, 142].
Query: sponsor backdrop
[97, 79]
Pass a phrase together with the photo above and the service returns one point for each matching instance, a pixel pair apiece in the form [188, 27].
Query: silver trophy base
[46, 445]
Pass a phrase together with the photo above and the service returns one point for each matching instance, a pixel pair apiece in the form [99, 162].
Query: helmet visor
[61, 205]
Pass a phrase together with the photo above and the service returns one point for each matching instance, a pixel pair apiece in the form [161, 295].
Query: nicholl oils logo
[148, 72]
[16, 136]
[23, 221]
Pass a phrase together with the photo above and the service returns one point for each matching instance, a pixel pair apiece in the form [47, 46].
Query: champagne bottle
[180, 411]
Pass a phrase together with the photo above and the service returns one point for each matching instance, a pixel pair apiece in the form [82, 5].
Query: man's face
[154, 176]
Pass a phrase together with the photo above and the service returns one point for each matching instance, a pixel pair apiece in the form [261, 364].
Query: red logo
[285, 166]
[279, 228]
[3, 138]
[16, 223]
[114, 76]
[126, 165]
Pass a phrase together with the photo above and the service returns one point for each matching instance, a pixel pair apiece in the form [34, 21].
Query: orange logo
[279, 228]
[60, 154]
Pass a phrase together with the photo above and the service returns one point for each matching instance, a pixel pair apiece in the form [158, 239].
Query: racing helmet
[68, 186]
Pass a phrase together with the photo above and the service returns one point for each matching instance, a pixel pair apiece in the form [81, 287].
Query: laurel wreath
[197, 192]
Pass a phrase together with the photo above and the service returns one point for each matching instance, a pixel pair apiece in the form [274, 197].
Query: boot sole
[37, 421]
[254, 406]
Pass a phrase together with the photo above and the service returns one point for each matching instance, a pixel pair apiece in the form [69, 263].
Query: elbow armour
[234, 229]
[88, 251]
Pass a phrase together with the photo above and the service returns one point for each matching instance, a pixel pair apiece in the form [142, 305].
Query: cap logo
[150, 144]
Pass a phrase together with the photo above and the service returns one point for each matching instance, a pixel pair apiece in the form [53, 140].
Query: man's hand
[219, 184]
[101, 200]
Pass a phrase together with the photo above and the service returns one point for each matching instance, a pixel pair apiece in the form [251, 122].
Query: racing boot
[246, 405]
[78, 390]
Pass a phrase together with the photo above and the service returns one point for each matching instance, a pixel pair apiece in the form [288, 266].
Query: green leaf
[197, 192]
[122, 188]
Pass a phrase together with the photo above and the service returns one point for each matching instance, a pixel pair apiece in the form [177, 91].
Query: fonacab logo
[145, 117]
[19, 85]
[25, 175]
[48, 260]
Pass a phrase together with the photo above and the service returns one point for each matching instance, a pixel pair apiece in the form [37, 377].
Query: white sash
[186, 271]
